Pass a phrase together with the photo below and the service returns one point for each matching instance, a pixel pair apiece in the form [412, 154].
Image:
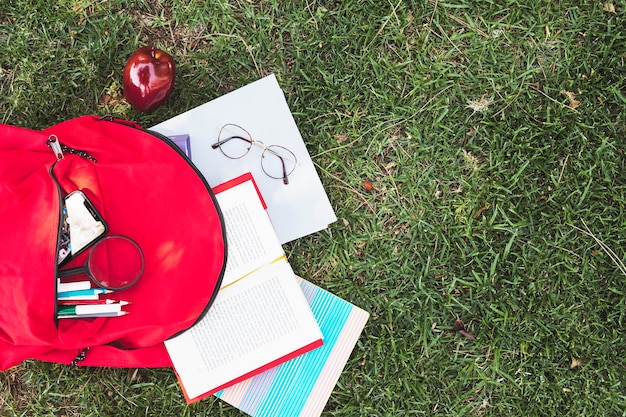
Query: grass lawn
[492, 134]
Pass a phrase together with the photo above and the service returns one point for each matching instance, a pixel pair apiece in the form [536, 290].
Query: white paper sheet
[297, 209]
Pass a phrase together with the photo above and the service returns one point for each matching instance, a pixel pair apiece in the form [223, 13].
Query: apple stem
[153, 52]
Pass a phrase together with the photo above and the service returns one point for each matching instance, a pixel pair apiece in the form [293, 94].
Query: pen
[86, 316]
[83, 310]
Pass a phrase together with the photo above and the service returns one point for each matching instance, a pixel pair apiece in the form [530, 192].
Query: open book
[260, 317]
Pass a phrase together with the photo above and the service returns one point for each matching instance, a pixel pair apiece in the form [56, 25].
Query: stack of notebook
[272, 344]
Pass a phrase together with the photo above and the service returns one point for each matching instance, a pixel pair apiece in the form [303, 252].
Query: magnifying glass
[114, 263]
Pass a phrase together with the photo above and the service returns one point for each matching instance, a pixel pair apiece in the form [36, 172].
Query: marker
[73, 286]
[86, 294]
[86, 310]
[87, 316]
[77, 302]
[94, 297]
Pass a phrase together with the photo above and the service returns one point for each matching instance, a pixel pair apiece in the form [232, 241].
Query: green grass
[496, 198]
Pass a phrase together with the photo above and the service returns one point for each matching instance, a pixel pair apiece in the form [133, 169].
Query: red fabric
[145, 190]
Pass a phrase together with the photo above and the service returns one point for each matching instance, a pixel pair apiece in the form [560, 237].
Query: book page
[250, 238]
[252, 323]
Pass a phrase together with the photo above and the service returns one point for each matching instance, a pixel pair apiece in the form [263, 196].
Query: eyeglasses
[276, 161]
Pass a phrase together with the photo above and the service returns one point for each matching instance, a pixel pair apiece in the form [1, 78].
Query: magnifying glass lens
[115, 263]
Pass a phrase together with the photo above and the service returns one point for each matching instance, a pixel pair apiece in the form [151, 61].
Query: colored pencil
[83, 294]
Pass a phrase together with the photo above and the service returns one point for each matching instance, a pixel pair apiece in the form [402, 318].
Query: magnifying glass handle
[72, 271]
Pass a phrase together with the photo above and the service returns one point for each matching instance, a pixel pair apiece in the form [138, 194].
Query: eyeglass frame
[259, 143]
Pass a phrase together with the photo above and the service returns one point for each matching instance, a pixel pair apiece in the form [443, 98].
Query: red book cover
[237, 181]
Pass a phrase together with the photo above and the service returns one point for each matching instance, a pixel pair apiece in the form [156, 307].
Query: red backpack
[145, 188]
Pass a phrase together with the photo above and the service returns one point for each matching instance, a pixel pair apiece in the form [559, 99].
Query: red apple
[148, 78]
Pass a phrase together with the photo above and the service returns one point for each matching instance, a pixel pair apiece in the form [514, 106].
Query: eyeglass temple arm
[223, 141]
[285, 177]
[282, 162]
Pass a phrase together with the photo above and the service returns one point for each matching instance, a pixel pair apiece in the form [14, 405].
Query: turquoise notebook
[303, 385]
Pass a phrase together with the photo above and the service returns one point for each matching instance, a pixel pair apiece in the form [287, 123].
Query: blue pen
[64, 295]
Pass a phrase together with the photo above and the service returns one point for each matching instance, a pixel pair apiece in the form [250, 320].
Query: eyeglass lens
[278, 162]
[234, 142]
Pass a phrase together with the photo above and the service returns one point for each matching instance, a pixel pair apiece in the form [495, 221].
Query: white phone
[82, 226]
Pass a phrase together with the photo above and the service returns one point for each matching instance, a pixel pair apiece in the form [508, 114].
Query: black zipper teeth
[172, 145]
[58, 243]
[81, 153]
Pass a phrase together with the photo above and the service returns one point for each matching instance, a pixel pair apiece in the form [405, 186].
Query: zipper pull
[55, 145]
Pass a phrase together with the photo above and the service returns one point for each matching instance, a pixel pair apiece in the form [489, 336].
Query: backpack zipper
[168, 141]
[59, 152]
[58, 148]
